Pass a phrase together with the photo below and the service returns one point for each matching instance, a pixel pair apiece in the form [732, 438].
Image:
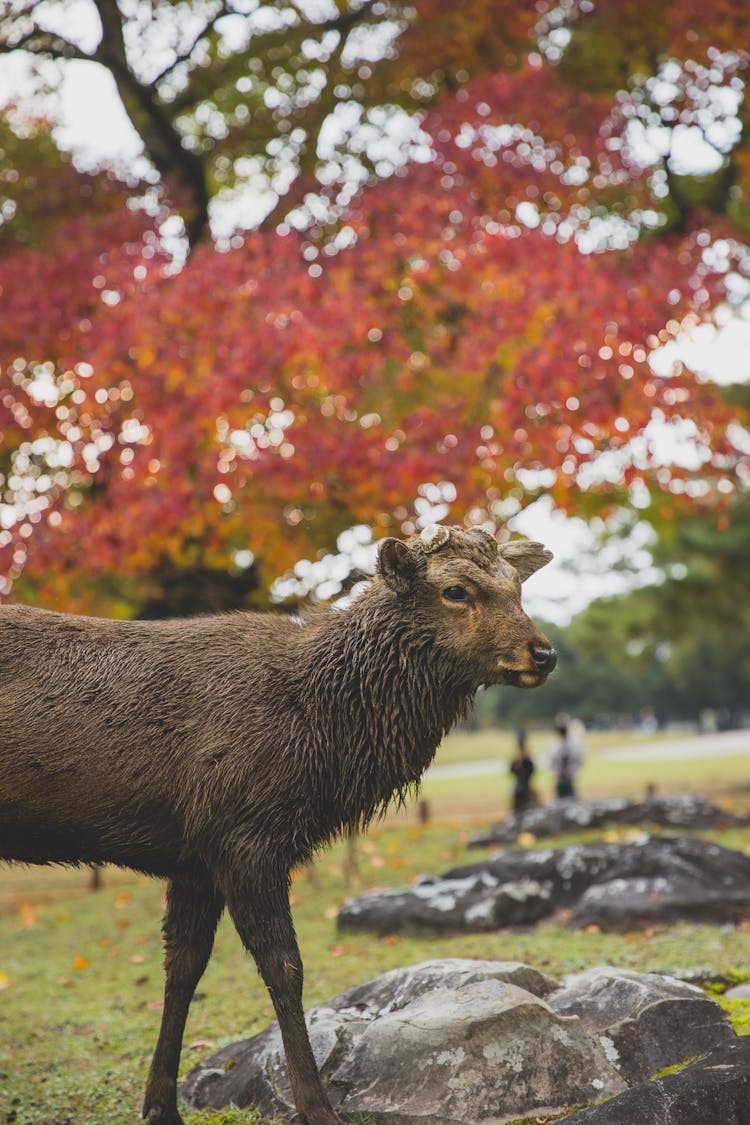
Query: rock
[644, 1021]
[397, 987]
[679, 811]
[462, 1055]
[630, 903]
[475, 903]
[567, 872]
[442, 1043]
[611, 885]
[738, 991]
[713, 1090]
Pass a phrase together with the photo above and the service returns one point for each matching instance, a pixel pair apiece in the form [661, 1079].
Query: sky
[94, 127]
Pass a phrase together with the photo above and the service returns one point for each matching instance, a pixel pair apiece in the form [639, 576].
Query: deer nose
[544, 657]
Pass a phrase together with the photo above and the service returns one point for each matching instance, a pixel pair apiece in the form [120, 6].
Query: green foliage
[605, 54]
[676, 649]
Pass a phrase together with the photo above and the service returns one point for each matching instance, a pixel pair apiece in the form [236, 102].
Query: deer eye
[455, 594]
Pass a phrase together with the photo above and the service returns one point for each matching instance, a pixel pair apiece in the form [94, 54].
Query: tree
[208, 84]
[425, 357]
[299, 96]
[472, 330]
[69, 247]
[627, 657]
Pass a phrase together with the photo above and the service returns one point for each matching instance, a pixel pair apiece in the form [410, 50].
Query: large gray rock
[392, 990]
[613, 885]
[641, 901]
[442, 1043]
[644, 1021]
[713, 1090]
[477, 903]
[463, 1055]
[680, 811]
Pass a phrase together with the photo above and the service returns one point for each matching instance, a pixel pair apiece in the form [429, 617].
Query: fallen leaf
[81, 963]
[339, 950]
[26, 917]
[155, 1005]
[4, 981]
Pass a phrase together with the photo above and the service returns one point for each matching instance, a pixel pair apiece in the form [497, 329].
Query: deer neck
[383, 696]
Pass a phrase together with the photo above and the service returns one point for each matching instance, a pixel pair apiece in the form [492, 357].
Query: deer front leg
[193, 911]
[260, 910]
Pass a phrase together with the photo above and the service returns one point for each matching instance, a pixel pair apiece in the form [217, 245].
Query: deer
[221, 752]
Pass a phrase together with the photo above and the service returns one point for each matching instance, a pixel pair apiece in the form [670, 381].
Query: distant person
[649, 723]
[522, 768]
[566, 759]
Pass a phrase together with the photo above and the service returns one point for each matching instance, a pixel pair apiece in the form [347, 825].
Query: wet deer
[221, 752]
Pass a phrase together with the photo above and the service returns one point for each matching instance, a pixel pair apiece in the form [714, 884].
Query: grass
[81, 975]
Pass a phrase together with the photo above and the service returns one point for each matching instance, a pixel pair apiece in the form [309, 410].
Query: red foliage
[268, 397]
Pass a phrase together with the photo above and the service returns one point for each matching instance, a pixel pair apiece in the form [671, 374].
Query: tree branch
[205, 30]
[37, 41]
[152, 120]
[260, 46]
[315, 112]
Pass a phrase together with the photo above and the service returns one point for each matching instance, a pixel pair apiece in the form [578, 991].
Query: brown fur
[219, 752]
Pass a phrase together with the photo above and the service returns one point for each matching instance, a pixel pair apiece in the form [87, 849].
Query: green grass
[738, 1012]
[81, 972]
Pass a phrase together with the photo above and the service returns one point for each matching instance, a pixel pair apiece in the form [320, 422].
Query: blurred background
[281, 278]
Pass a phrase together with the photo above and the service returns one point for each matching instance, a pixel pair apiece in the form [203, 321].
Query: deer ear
[397, 565]
[526, 556]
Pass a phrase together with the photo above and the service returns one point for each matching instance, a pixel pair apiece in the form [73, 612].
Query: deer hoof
[161, 1115]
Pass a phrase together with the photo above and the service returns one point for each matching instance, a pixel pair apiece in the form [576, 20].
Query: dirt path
[720, 744]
